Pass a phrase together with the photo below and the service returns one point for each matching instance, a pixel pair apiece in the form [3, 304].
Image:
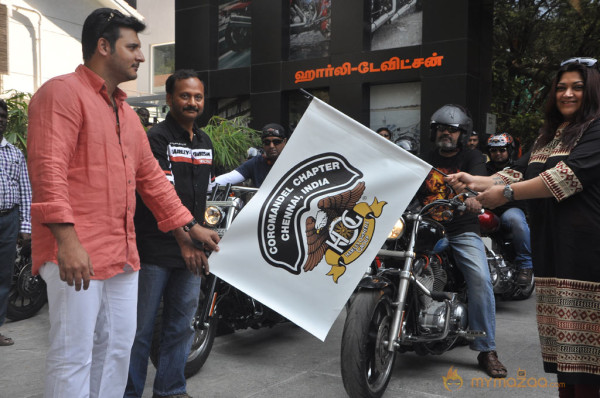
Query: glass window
[163, 65]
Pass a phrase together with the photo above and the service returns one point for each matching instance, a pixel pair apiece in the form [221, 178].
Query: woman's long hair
[588, 112]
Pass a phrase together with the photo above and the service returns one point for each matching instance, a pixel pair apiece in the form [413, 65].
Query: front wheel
[27, 292]
[201, 345]
[366, 362]
[524, 292]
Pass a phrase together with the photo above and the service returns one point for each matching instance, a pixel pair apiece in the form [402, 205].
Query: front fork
[405, 277]
[202, 319]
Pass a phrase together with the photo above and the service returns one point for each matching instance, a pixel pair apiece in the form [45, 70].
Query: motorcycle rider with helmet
[451, 125]
[256, 168]
[501, 150]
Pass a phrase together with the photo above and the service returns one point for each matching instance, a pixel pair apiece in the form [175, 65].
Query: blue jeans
[180, 290]
[514, 222]
[9, 231]
[470, 257]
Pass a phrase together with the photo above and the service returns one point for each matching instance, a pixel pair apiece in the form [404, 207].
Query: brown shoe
[5, 340]
[524, 276]
[489, 362]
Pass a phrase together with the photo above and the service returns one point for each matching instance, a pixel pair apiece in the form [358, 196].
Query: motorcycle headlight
[213, 216]
[397, 231]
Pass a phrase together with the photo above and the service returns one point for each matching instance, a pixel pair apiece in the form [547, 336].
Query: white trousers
[91, 334]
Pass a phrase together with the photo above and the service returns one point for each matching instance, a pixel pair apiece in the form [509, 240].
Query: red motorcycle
[308, 15]
[238, 25]
[501, 259]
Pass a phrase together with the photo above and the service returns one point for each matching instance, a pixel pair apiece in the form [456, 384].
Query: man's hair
[105, 23]
[3, 105]
[380, 129]
[142, 111]
[180, 74]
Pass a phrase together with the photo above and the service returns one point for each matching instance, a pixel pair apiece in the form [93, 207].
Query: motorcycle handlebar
[455, 203]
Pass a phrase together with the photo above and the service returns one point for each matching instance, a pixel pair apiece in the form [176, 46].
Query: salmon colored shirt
[85, 166]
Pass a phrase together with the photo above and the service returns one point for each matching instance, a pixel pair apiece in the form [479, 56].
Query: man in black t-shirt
[257, 167]
[170, 265]
[450, 125]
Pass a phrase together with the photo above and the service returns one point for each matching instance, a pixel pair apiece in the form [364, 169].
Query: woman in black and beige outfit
[560, 178]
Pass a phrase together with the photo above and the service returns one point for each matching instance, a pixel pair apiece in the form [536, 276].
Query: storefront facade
[384, 63]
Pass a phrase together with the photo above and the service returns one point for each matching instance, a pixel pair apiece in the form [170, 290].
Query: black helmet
[452, 115]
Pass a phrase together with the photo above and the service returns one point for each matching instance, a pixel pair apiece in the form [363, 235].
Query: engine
[432, 317]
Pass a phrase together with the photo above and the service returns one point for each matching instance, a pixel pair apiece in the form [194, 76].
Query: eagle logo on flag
[341, 231]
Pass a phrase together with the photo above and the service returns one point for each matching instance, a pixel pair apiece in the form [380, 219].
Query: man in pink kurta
[88, 154]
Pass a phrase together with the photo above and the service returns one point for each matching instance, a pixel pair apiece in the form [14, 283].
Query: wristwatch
[508, 193]
[189, 225]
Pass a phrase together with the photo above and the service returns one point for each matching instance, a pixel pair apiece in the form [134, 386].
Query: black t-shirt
[189, 167]
[469, 160]
[255, 168]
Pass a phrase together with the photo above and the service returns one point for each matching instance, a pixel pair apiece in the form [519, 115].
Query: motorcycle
[305, 15]
[501, 259]
[237, 19]
[414, 300]
[222, 308]
[308, 15]
[27, 292]
[383, 11]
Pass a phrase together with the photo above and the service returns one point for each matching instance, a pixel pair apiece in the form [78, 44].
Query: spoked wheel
[366, 362]
[524, 292]
[27, 292]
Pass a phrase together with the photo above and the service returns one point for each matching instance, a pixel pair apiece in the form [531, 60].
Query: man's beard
[446, 145]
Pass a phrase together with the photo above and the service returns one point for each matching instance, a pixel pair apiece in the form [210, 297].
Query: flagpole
[306, 93]
[446, 175]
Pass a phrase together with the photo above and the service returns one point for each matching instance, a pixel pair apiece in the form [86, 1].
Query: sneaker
[525, 276]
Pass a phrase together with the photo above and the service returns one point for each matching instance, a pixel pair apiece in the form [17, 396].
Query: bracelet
[189, 225]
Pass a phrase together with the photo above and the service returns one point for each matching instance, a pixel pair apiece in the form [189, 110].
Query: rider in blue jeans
[170, 267]
[501, 150]
[450, 127]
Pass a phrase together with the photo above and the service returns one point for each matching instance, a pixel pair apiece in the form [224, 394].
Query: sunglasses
[275, 142]
[501, 150]
[385, 135]
[589, 62]
[445, 127]
[109, 17]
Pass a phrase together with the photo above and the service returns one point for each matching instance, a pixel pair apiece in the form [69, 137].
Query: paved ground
[287, 362]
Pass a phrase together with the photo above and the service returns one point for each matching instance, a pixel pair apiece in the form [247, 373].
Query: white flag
[304, 241]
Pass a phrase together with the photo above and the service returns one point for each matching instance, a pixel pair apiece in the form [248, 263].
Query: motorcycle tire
[523, 293]
[199, 352]
[27, 293]
[365, 360]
